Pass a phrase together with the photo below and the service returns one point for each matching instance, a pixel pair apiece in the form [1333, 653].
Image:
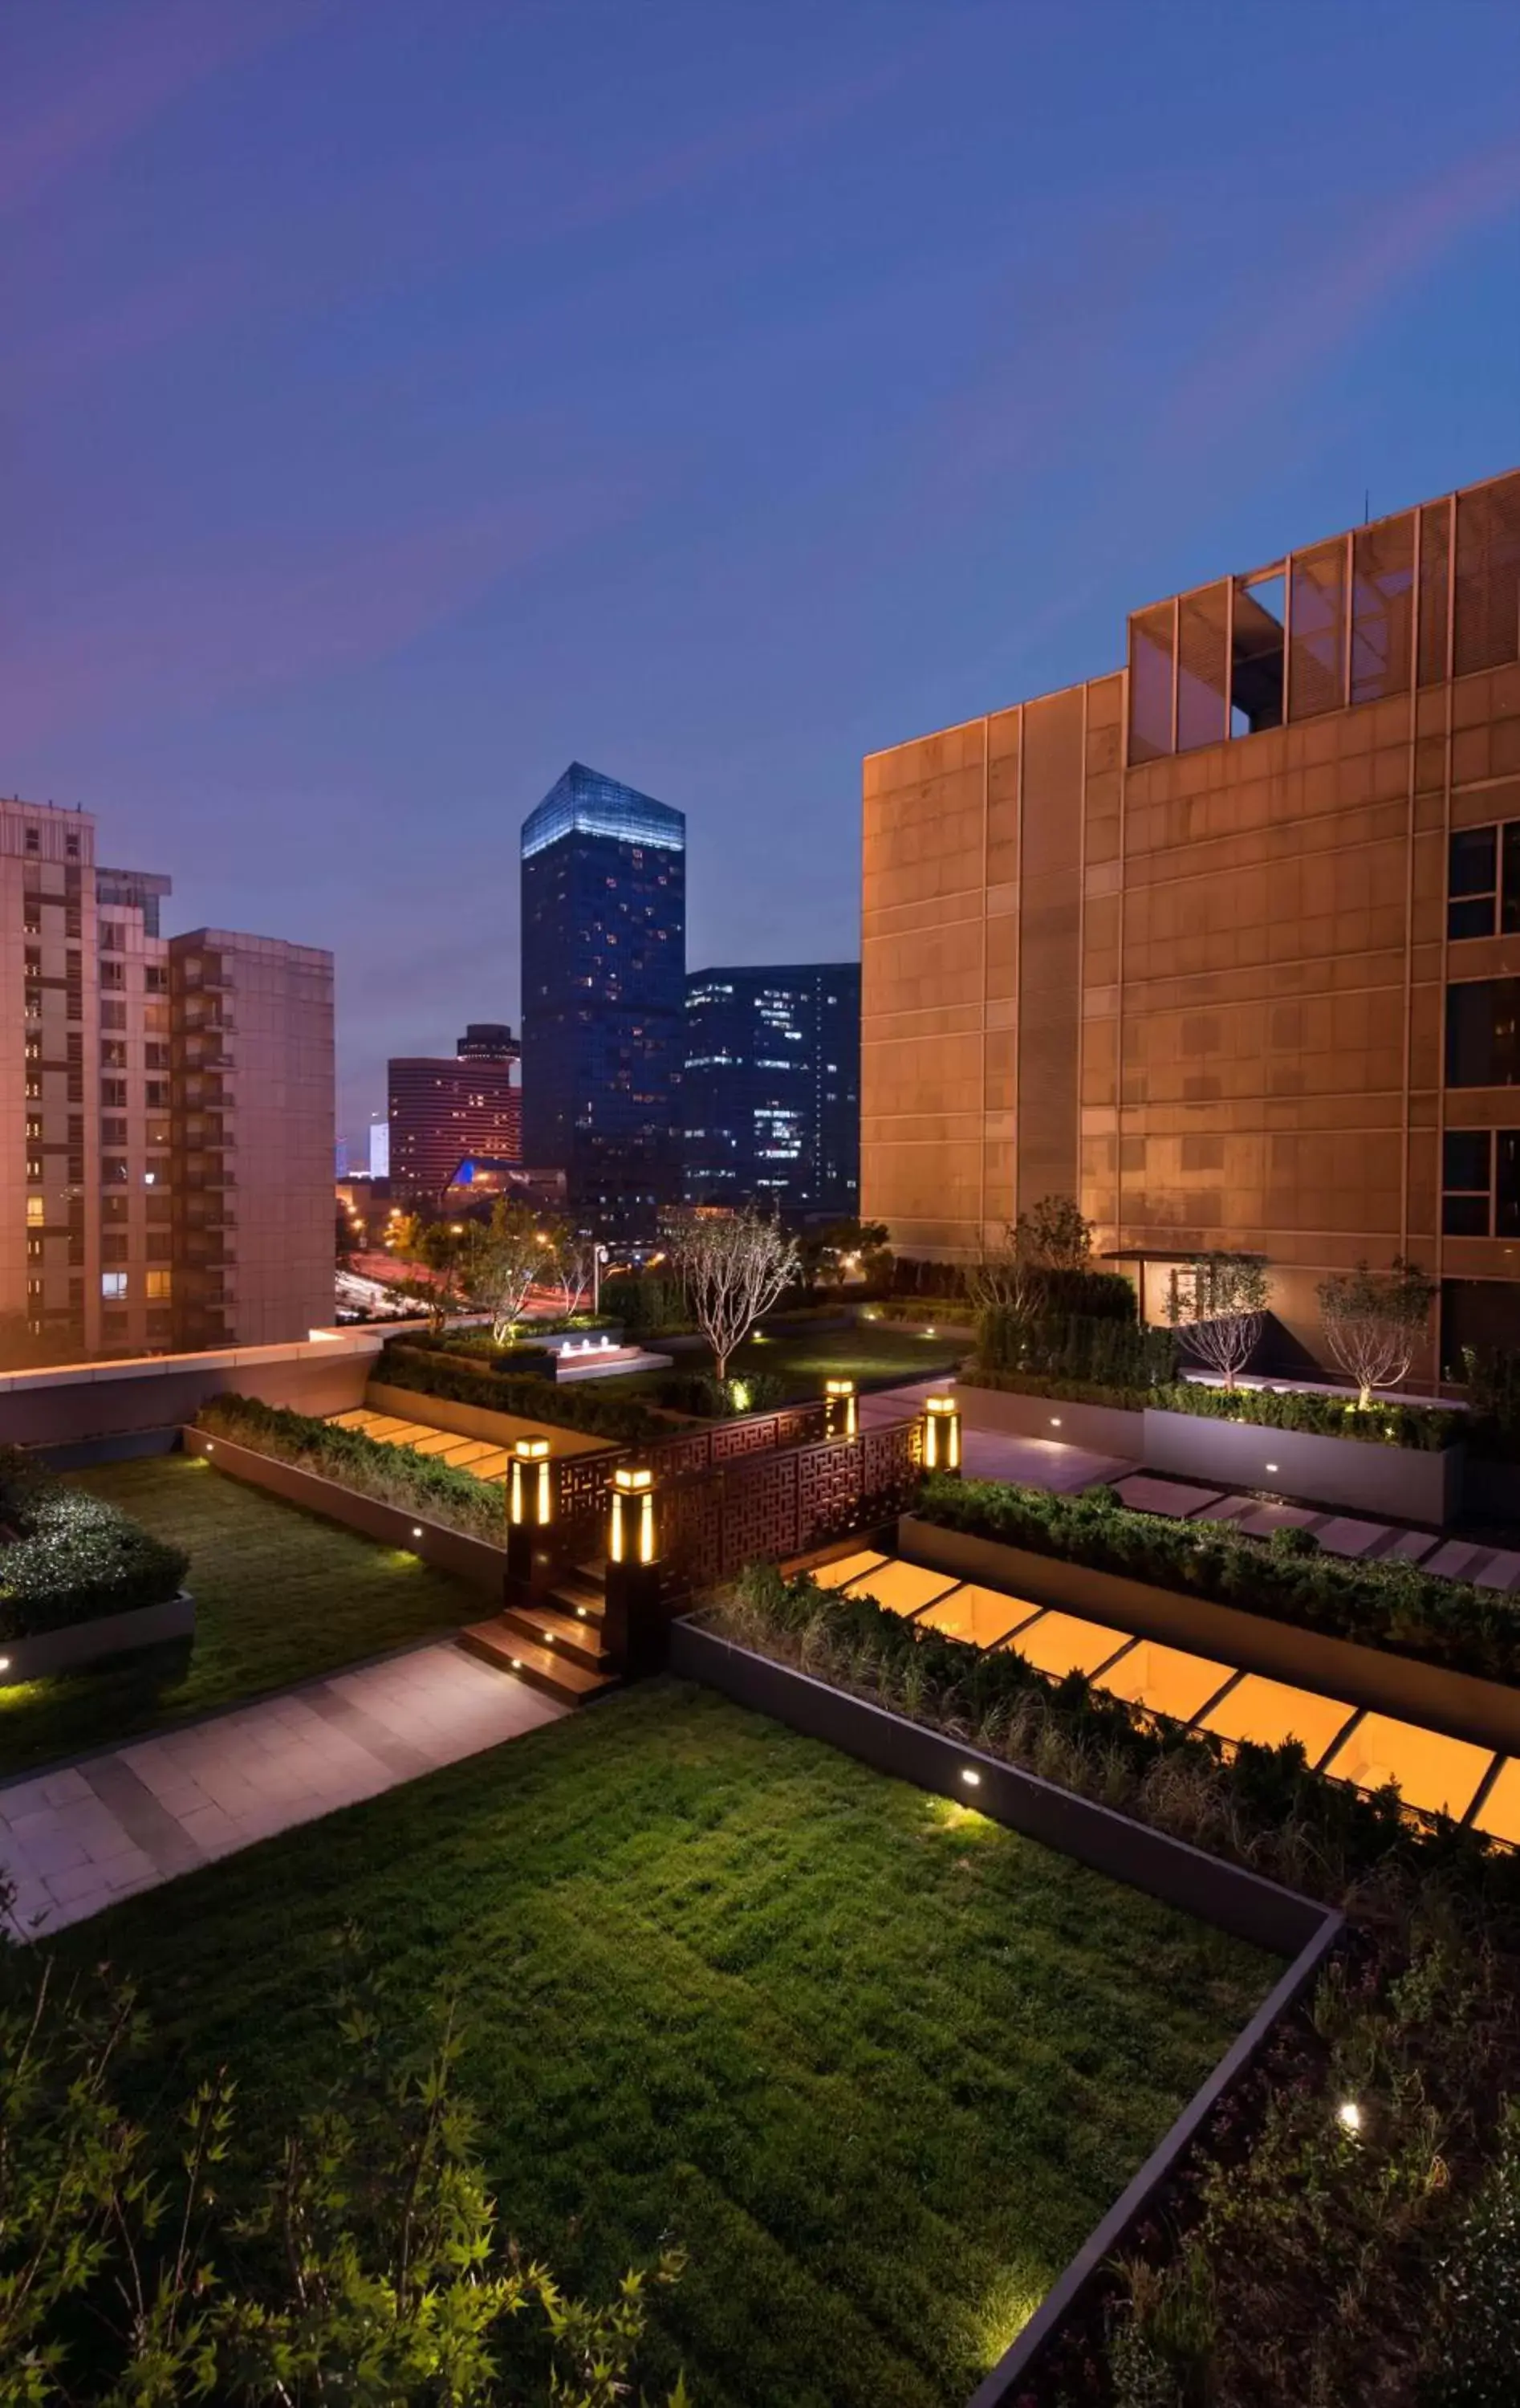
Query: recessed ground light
[549, 1639]
[1349, 2116]
[517, 1663]
[209, 1446]
[1055, 1420]
[973, 1779]
[581, 1611]
[5, 1663]
[417, 1529]
[1271, 1467]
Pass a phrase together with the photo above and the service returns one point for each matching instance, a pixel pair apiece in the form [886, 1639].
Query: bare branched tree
[732, 1267]
[1373, 1322]
[1053, 1235]
[574, 1268]
[1219, 1303]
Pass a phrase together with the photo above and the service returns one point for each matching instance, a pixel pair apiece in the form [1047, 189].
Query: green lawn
[876, 1352]
[877, 2063]
[280, 1597]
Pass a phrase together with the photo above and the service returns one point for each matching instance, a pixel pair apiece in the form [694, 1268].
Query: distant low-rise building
[770, 1089]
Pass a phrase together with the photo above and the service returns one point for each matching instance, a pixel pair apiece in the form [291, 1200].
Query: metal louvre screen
[1150, 683]
[1317, 631]
[1435, 590]
[1381, 609]
[1203, 668]
[1486, 590]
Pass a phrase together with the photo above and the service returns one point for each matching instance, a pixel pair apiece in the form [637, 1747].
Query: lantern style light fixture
[530, 1486]
[633, 1537]
[941, 1434]
[842, 1409]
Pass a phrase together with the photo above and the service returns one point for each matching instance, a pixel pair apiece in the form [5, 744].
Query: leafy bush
[1392, 1605]
[428, 1371]
[709, 1399]
[1100, 1350]
[393, 1476]
[648, 1305]
[71, 1556]
[919, 1310]
[1428, 1429]
[1478, 2354]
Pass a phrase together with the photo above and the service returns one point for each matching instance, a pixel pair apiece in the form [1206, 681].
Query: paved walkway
[75, 1841]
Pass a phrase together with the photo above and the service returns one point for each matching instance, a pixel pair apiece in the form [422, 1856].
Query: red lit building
[443, 1108]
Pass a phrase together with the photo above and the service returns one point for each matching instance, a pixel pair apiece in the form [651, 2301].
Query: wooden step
[543, 1623]
[542, 1667]
[577, 1595]
[592, 1574]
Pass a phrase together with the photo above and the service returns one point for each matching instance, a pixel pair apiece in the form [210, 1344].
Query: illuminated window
[113, 1286]
[160, 1287]
[35, 1208]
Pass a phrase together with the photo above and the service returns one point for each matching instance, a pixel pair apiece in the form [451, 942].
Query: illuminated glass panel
[902, 1588]
[1165, 1680]
[1272, 1713]
[1059, 1644]
[982, 1616]
[1436, 1775]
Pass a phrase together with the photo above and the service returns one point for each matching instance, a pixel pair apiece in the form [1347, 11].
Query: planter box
[92, 1643]
[1106, 1430]
[475, 1560]
[1460, 1703]
[480, 1421]
[1401, 1481]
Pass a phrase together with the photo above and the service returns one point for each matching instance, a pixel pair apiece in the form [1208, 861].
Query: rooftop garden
[281, 1595]
[875, 2063]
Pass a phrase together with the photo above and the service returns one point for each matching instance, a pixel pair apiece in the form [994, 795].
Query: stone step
[542, 1667]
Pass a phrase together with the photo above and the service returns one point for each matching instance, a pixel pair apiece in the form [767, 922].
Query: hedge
[1392, 1605]
[393, 1476]
[1108, 1378]
[71, 1556]
[1101, 1349]
[431, 1371]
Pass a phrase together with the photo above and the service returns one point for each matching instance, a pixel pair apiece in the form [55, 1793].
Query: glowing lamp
[973, 1779]
[530, 1486]
[633, 1537]
[842, 1409]
[941, 1434]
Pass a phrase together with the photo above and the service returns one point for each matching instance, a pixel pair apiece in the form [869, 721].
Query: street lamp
[598, 1256]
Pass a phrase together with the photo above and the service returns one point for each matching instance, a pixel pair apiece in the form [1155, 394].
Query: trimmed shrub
[1101, 1350]
[71, 1557]
[428, 1371]
[648, 1305]
[1427, 1429]
[713, 1399]
[1102, 1363]
[392, 1475]
[1392, 1605]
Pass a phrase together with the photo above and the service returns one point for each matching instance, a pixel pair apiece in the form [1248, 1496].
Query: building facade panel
[1246, 930]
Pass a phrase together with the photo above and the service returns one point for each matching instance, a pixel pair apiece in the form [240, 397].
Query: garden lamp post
[634, 1628]
[842, 1409]
[941, 1435]
[530, 1510]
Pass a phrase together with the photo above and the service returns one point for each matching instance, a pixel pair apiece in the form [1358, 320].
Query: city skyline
[898, 416]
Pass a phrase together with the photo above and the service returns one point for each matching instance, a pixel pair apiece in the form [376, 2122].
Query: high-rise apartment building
[253, 1022]
[771, 1090]
[108, 1167]
[604, 978]
[443, 1108]
[1226, 943]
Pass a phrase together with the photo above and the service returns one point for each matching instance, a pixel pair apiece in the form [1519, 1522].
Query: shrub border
[1229, 1896]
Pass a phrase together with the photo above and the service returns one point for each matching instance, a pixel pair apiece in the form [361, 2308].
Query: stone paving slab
[1149, 1495]
[1342, 1535]
[76, 1841]
[1456, 1560]
[1501, 1572]
[1262, 1520]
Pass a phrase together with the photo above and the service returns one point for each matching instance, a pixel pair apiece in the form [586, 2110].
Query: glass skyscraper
[604, 983]
[771, 1092]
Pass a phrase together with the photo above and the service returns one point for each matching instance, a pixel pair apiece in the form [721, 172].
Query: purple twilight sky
[401, 400]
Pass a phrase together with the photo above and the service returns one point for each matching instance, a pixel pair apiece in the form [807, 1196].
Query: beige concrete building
[108, 1178]
[1226, 942]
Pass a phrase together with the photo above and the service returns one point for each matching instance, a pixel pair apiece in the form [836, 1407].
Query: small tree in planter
[733, 1267]
[1374, 1321]
[574, 1259]
[508, 1256]
[1219, 1303]
[1053, 1235]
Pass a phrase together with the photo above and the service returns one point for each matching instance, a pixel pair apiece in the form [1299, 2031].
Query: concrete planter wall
[1397, 1481]
[91, 1643]
[85, 1400]
[1103, 1430]
[475, 1560]
[1460, 1703]
[1234, 1901]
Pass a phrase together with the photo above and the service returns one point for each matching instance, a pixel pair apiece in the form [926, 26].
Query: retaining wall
[87, 1401]
[1460, 1703]
[478, 1421]
[1404, 1482]
[1106, 1430]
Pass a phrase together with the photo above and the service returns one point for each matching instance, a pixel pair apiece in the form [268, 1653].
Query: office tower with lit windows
[1225, 942]
[125, 1142]
[443, 1106]
[770, 1089]
[604, 978]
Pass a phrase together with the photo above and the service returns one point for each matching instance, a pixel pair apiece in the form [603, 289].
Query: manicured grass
[877, 2063]
[280, 1597]
[877, 1353]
